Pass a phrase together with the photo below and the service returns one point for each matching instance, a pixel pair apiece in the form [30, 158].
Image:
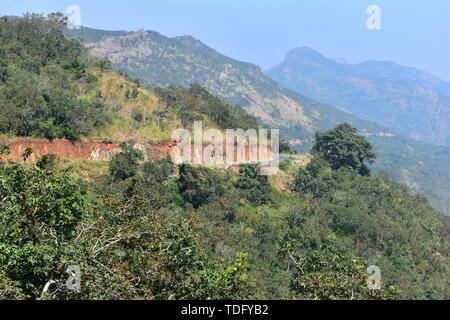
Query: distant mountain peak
[303, 50]
[306, 54]
[408, 100]
[187, 37]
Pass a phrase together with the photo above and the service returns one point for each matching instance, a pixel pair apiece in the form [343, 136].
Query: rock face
[89, 150]
[105, 150]
[226, 154]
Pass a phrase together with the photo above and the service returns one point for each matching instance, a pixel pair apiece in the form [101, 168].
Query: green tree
[39, 69]
[252, 185]
[158, 170]
[199, 185]
[329, 274]
[284, 146]
[39, 213]
[124, 165]
[308, 179]
[342, 147]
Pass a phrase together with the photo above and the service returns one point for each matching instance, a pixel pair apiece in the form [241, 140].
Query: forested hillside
[161, 61]
[51, 88]
[158, 60]
[155, 230]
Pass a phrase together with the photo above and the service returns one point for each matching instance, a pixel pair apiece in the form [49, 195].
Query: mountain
[137, 228]
[407, 100]
[159, 61]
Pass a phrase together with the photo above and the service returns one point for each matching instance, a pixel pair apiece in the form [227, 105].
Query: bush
[342, 147]
[158, 170]
[253, 186]
[124, 164]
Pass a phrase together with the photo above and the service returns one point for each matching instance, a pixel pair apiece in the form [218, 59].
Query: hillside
[140, 228]
[55, 90]
[406, 100]
[159, 61]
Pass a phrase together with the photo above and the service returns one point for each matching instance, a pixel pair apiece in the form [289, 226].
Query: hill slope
[159, 61]
[409, 101]
[140, 229]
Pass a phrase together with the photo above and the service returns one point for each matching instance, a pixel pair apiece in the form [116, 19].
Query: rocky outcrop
[89, 150]
[105, 150]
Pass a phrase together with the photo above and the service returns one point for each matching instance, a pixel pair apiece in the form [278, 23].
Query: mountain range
[157, 60]
[407, 100]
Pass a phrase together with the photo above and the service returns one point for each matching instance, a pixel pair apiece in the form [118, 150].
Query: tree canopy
[342, 147]
[39, 72]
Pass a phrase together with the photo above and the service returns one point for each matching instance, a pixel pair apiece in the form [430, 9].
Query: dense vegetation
[38, 67]
[154, 230]
[166, 231]
[197, 100]
[382, 222]
[51, 88]
[127, 240]
[161, 61]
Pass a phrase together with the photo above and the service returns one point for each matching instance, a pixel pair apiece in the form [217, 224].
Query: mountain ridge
[166, 231]
[159, 61]
[407, 100]
[228, 78]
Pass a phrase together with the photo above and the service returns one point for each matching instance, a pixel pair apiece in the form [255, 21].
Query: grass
[84, 169]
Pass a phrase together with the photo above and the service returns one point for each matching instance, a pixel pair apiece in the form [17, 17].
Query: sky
[414, 33]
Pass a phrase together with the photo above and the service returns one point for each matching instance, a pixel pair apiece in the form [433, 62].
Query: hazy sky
[413, 33]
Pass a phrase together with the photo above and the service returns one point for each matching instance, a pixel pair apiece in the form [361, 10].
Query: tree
[124, 164]
[284, 146]
[253, 186]
[309, 179]
[196, 100]
[158, 170]
[199, 185]
[126, 245]
[328, 273]
[342, 147]
[39, 213]
[34, 51]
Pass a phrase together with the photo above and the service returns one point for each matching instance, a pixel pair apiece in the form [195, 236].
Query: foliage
[284, 146]
[377, 220]
[126, 245]
[193, 236]
[39, 70]
[252, 185]
[425, 168]
[199, 185]
[305, 180]
[124, 164]
[157, 231]
[39, 212]
[326, 273]
[197, 99]
[159, 170]
[342, 147]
